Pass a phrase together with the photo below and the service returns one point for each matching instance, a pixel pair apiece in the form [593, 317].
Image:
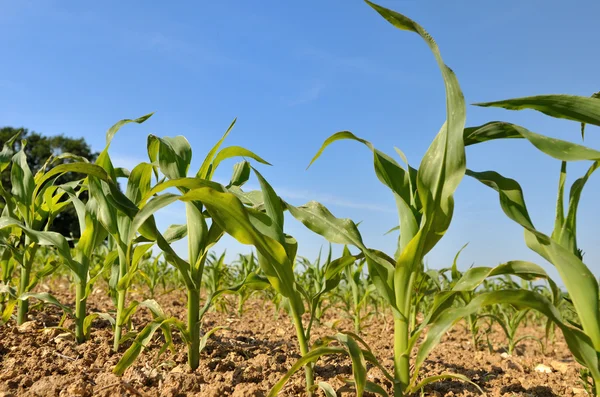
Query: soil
[252, 354]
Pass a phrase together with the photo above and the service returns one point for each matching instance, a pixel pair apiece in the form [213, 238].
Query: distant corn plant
[243, 267]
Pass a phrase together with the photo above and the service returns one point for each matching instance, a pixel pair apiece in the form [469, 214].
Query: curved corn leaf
[174, 155]
[9, 307]
[205, 168]
[579, 343]
[435, 378]
[570, 107]
[273, 208]
[557, 148]
[117, 126]
[375, 388]
[54, 239]
[139, 343]
[241, 174]
[138, 182]
[7, 151]
[229, 213]
[185, 183]
[395, 178]
[234, 151]
[309, 357]
[89, 319]
[204, 339]
[22, 183]
[320, 220]
[46, 298]
[567, 235]
[594, 95]
[327, 389]
[577, 277]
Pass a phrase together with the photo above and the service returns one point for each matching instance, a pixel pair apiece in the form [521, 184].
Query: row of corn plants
[122, 246]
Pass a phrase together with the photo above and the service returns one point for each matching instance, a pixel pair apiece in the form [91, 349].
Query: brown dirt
[253, 354]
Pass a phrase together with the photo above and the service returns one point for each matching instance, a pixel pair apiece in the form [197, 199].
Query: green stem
[121, 295]
[193, 324]
[119, 319]
[303, 342]
[473, 331]
[80, 310]
[240, 308]
[23, 304]
[401, 357]
[28, 258]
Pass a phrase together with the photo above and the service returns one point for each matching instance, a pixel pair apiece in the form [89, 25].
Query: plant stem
[193, 324]
[23, 305]
[119, 319]
[121, 293]
[401, 357]
[28, 258]
[308, 368]
[473, 331]
[80, 310]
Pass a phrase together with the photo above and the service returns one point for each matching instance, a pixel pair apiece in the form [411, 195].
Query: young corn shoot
[425, 206]
[172, 158]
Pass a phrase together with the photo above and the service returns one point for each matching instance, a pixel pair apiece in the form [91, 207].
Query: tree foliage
[38, 149]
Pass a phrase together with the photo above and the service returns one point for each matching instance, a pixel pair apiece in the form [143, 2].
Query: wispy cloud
[328, 199]
[186, 53]
[355, 63]
[310, 94]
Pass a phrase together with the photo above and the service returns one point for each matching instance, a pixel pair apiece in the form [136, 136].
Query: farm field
[99, 297]
[255, 350]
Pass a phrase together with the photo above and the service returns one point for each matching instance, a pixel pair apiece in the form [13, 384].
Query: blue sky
[296, 72]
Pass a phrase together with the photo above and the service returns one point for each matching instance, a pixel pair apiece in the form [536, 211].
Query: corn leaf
[570, 107]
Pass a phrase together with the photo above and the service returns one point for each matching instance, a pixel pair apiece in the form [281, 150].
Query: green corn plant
[314, 279]
[465, 297]
[243, 267]
[424, 198]
[425, 204]
[216, 277]
[311, 277]
[560, 248]
[171, 157]
[156, 272]
[111, 212]
[261, 226]
[28, 211]
[509, 321]
[8, 266]
[359, 290]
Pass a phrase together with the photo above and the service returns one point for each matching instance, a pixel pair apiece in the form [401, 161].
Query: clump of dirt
[252, 354]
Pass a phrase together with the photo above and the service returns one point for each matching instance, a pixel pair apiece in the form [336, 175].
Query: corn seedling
[171, 157]
[243, 268]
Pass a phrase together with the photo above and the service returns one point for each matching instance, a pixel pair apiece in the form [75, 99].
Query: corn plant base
[252, 354]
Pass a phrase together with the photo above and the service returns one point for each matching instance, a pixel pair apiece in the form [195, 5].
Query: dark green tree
[39, 148]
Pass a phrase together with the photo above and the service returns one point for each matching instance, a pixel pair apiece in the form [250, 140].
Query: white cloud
[310, 94]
